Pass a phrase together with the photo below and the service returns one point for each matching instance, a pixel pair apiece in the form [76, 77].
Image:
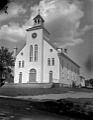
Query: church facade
[41, 62]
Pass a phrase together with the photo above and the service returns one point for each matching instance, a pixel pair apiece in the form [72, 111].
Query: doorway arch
[50, 76]
[32, 75]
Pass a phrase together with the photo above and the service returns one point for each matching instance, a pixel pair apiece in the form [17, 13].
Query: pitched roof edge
[21, 49]
[69, 59]
[37, 27]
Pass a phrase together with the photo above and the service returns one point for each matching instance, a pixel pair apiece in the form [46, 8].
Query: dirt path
[70, 94]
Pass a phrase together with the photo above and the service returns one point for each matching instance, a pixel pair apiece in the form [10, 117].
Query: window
[20, 77]
[23, 63]
[31, 53]
[21, 53]
[36, 53]
[51, 50]
[53, 61]
[49, 61]
[50, 76]
[19, 64]
[32, 75]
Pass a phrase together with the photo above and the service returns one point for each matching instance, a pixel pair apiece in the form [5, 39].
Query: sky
[70, 23]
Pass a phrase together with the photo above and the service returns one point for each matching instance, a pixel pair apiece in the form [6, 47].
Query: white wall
[47, 54]
[29, 65]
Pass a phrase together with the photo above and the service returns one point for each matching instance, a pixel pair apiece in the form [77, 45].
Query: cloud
[12, 32]
[62, 20]
[14, 10]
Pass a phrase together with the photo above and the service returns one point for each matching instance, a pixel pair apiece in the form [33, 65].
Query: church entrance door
[20, 77]
[32, 75]
[50, 76]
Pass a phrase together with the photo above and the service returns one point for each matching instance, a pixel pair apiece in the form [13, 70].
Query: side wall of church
[69, 72]
[50, 53]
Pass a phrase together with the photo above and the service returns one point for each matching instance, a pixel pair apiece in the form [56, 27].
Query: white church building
[41, 62]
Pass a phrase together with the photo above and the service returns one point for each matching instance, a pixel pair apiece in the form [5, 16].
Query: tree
[6, 62]
[4, 5]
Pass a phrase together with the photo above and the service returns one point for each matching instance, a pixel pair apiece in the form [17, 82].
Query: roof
[69, 59]
[37, 27]
[19, 50]
[62, 54]
[39, 16]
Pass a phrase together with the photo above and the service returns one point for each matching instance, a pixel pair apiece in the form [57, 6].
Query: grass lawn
[12, 90]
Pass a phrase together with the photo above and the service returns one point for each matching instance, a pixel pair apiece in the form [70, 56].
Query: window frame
[19, 64]
[31, 53]
[53, 61]
[49, 63]
[35, 52]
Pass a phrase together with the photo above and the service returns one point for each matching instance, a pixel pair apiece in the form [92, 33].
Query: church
[39, 61]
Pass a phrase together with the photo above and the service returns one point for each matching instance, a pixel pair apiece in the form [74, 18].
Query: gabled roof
[36, 28]
[19, 50]
[38, 17]
[62, 54]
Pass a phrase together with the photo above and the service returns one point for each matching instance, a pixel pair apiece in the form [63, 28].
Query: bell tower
[38, 20]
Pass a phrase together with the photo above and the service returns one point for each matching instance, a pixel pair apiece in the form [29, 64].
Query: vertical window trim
[53, 61]
[20, 76]
[23, 63]
[31, 53]
[48, 61]
[35, 52]
[19, 64]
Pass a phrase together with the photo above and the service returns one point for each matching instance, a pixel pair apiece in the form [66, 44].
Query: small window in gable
[51, 50]
[21, 53]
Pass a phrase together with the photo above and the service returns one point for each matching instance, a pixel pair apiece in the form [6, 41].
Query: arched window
[32, 75]
[31, 53]
[36, 53]
[20, 77]
[49, 61]
[50, 76]
[53, 61]
[23, 63]
[19, 64]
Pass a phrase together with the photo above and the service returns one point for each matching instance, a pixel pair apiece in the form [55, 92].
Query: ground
[56, 100]
[45, 93]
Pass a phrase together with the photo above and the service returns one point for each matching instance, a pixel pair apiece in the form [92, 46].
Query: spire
[38, 20]
[38, 11]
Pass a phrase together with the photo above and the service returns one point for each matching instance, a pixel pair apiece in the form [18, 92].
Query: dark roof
[51, 44]
[69, 59]
[62, 54]
[37, 27]
[20, 49]
[39, 16]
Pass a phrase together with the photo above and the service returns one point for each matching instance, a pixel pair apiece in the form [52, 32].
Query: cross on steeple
[38, 11]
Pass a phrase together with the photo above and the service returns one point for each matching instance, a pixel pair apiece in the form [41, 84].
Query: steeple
[38, 20]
